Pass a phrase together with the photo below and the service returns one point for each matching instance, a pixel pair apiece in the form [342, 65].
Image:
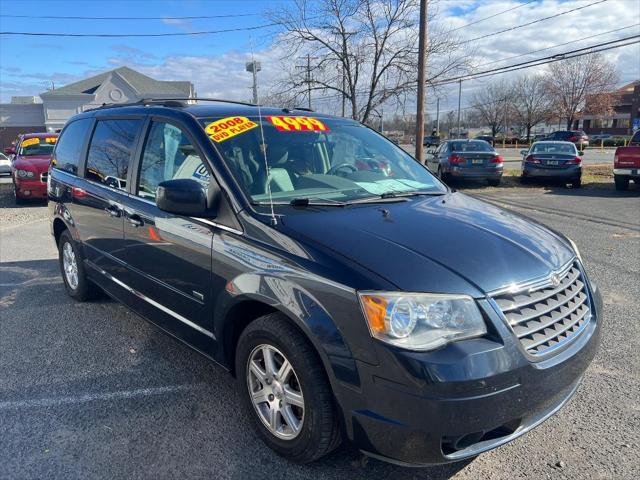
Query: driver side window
[167, 155]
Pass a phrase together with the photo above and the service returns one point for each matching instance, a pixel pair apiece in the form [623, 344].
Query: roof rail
[304, 109]
[167, 102]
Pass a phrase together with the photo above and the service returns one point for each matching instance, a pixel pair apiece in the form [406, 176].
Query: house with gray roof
[121, 85]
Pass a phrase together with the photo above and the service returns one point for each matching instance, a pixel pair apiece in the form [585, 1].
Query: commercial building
[625, 118]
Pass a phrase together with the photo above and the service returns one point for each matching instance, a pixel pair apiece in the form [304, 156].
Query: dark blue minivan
[351, 293]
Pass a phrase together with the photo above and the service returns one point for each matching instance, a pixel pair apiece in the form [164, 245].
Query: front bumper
[32, 188]
[464, 399]
[537, 171]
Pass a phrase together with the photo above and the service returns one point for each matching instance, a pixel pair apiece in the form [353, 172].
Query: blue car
[552, 161]
[466, 159]
[351, 293]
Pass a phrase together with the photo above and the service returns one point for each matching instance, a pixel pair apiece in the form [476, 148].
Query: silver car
[5, 165]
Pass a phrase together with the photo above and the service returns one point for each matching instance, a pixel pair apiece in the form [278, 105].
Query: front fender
[302, 307]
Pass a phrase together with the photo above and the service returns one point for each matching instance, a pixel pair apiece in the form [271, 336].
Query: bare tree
[364, 51]
[571, 82]
[530, 103]
[490, 105]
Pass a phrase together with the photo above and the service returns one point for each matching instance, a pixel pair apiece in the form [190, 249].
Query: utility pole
[438, 116]
[459, 100]
[344, 99]
[422, 80]
[254, 67]
[309, 79]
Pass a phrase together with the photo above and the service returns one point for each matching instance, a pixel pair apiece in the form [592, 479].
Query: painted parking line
[93, 397]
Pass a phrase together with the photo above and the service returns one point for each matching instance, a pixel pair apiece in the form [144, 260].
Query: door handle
[113, 211]
[135, 220]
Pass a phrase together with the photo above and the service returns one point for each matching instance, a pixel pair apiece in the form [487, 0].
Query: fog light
[26, 192]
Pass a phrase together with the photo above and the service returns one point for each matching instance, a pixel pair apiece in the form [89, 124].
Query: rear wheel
[441, 175]
[285, 390]
[494, 182]
[576, 183]
[524, 180]
[74, 276]
[622, 183]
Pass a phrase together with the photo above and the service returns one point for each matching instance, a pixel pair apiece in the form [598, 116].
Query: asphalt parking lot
[93, 391]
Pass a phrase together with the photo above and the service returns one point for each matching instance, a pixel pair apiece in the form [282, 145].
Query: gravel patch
[12, 214]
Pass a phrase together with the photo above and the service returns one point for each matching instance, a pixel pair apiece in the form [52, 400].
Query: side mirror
[580, 153]
[10, 151]
[523, 152]
[183, 197]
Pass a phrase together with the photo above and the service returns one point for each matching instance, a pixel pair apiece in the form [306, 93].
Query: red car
[31, 164]
[626, 163]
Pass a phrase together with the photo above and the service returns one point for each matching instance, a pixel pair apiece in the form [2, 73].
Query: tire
[576, 183]
[494, 182]
[524, 180]
[80, 289]
[318, 430]
[442, 176]
[622, 183]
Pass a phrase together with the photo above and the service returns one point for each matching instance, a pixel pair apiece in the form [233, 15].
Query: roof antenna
[274, 219]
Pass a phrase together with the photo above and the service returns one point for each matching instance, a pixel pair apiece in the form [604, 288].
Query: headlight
[575, 249]
[421, 321]
[26, 174]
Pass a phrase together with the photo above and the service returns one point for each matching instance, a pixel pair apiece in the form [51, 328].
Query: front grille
[547, 317]
[43, 177]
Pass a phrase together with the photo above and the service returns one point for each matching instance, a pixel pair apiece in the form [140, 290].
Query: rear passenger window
[168, 154]
[69, 147]
[110, 152]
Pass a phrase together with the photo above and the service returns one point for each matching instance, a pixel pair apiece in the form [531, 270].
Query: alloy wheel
[70, 265]
[275, 392]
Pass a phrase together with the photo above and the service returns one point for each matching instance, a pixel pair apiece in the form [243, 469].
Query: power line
[599, 47]
[530, 23]
[558, 45]
[544, 60]
[492, 16]
[195, 17]
[120, 35]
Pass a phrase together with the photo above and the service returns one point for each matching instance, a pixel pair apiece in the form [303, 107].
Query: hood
[37, 163]
[446, 244]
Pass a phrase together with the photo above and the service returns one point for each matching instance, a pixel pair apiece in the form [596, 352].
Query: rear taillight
[573, 139]
[497, 159]
[575, 161]
[531, 159]
[615, 160]
[456, 159]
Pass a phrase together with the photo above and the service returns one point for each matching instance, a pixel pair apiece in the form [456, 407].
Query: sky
[216, 63]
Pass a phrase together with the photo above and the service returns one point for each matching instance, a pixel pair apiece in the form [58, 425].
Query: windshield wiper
[306, 201]
[394, 197]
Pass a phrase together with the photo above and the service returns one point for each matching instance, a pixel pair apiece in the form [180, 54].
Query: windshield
[478, 146]
[316, 159]
[568, 148]
[37, 146]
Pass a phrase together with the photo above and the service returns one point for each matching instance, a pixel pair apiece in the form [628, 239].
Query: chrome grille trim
[43, 177]
[547, 316]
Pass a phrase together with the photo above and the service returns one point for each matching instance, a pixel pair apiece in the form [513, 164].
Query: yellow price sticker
[27, 142]
[229, 127]
[51, 139]
[297, 124]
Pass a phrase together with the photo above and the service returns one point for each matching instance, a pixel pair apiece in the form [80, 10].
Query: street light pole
[254, 67]
[422, 79]
[438, 116]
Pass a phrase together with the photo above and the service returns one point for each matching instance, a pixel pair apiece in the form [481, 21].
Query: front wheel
[285, 390]
[17, 199]
[75, 280]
